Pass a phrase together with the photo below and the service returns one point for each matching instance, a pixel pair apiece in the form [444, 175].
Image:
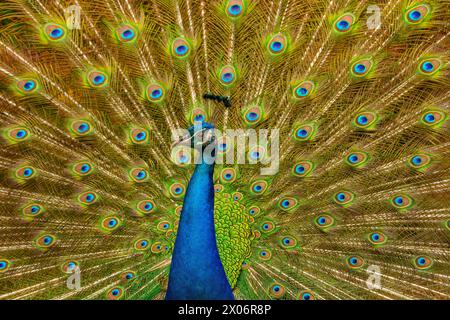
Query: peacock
[108, 109]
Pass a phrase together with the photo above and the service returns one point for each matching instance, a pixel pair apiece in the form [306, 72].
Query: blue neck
[196, 272]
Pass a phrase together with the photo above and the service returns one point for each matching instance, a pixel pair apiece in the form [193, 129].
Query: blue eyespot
[398, 201]
[141, 175]
[300, 169]
[362, 120]
[430, 118]
[2, 265]
[306, 296]
[286, 241]
[85, 168]
[276, 46]
[227, 77]
[128, 34]
[99, 79]
[21, 133]
[353, 158]
[265, 226]
[417, 160]
[258, 188]
[235, 10]
[112, 223]
[83, 127]
[29, 85]
[360, 68]
[156, 93]
[340, 196]
[148, 206]
[141, 136]
[302, 92]
[427, 66]
[252, 116]
[285, 203]
[375, 237]
[144, 243]
[255, 155]
[27, 172]
[178, 190]
[89, 197]
[321, 220]
[343, 25]
[199, 118]
[47, 240]
[415, 15]
[421, 261]
[56, 33]
[302, 133]
[181, 50]
[35, 209]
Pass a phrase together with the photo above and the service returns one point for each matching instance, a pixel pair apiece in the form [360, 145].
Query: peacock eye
[306, 295]
[267, 227]
[180, 48]
[304, 89]
[265, 254]
[27, 86]
[45, 241]
[163, 225]
[423, 262]
[227, 75]
[4, 265]
[97, 79]
[258, 187]
[355, 262]
[344, 23]
[141, 244]
[235, 8]
[288, 242]
[126, 33]
[276, 290]
[110, 224]
[287, 203]
[417, 14]
[429, 66]
[361, 67]
[87, 198]
[277, 44]
[115, 293]
[377, 238]
[324, 221]
[54, 32]
[344, 198]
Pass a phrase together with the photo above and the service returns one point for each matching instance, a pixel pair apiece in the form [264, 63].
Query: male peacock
[91, 189]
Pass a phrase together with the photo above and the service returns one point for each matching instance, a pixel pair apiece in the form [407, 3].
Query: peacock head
[202, 137]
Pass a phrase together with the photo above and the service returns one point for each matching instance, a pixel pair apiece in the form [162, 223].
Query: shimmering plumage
[89, 180]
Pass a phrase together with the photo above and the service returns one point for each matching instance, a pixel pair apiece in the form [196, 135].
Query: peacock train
[115, 114]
